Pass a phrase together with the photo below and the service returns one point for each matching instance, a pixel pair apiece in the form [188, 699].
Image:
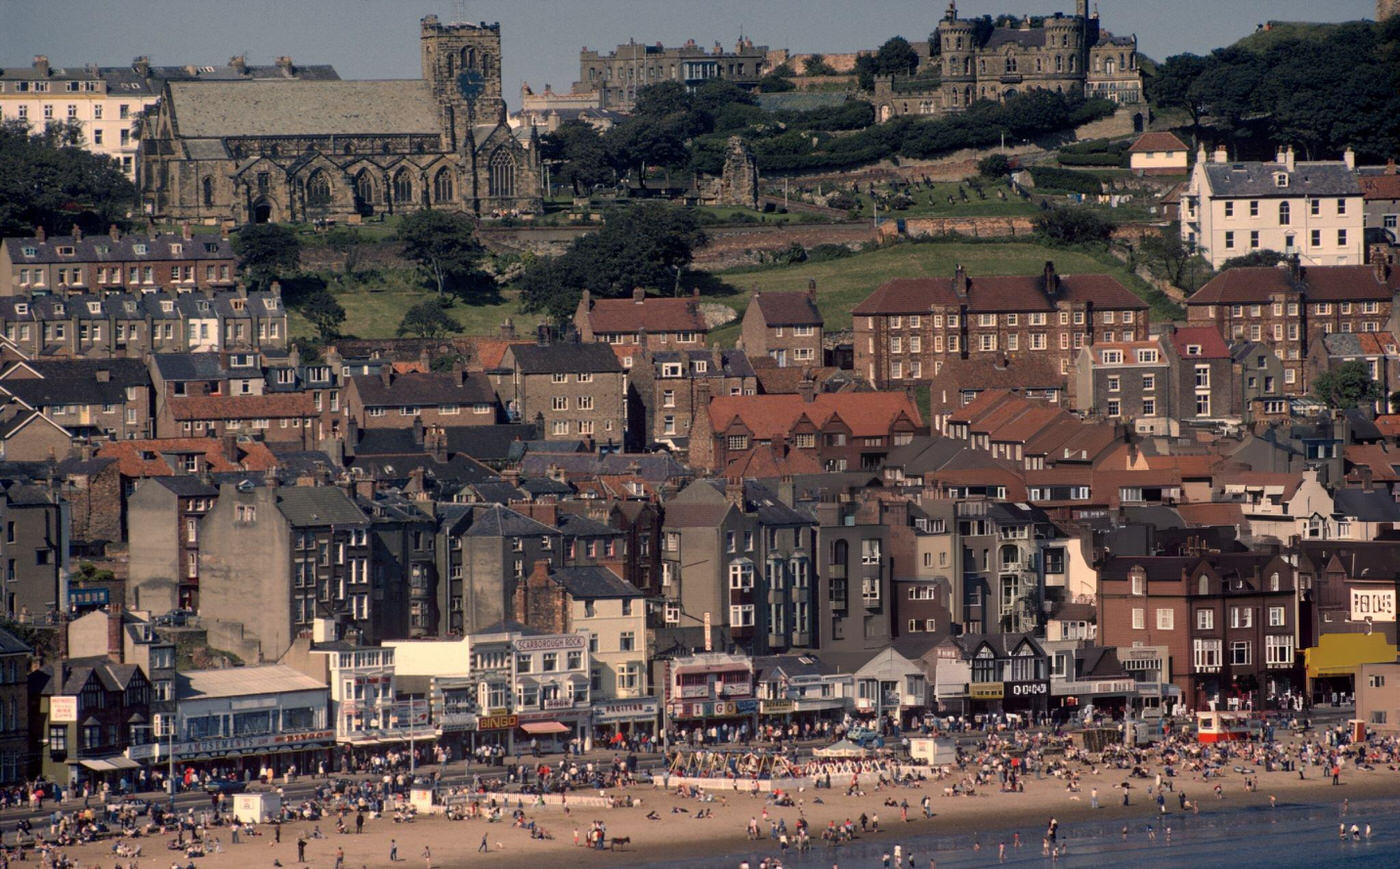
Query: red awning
[535, 728]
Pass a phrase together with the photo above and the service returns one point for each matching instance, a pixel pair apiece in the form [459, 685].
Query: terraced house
[909, 327]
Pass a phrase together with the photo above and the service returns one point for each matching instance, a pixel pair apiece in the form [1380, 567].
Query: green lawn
[933, 202]
[841, 285]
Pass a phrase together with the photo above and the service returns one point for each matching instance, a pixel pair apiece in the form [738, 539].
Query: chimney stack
[812, 289]
[960, 281]
[1288, 158]
[114, 233]
[1380, 262]
[41, 64]
[807, 387]
[142, 66]
[239, 64]
[639, 295]
[284, 64]
[40, 235]
[116, 650]
[77, 232]
[386, 373]
[186, 231]
[1349, 158]
[1052, 280]
[1221, 155]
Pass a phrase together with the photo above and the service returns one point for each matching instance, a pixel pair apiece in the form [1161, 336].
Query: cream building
[105, 105]
[1313, 210]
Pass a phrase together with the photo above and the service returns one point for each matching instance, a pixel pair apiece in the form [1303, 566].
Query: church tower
[462, 64]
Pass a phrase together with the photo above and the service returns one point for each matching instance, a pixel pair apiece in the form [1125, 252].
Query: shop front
[551, 731]
[247, 758]
[1030, 697]
[709, 721]
[617, 721]
[1110, 697]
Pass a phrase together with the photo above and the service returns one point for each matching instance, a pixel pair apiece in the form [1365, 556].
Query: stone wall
[977, 227]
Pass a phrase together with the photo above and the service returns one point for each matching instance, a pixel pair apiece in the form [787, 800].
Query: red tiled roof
[995, 293]
[1211, 513]
[1208, 338]
[771, 417]
[1379, 186]
[279, 406]
[652, 314]
[1389, 424]
[788, 309]
[1157, 142]
[764, 463]
[132, 461]
[1188, 466]
[983, 403]
[1321, 284]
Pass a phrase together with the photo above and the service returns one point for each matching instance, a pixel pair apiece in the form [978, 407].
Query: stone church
[259, 151]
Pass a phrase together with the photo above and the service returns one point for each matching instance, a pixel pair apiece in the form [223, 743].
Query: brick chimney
[186, 231]
[41, 64]
[639, 295]
[540, 602]
[807, 387]
[40, 235]
[76, 232]
[116, 649]
[230, 448]
[142, 66]
[812, 289]
[418, 431]
[386, 373]
[1051, 280]
[1380, 261]
[284, 64]
[114, 233]
[960, 281]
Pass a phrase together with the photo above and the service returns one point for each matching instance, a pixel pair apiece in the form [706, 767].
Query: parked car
[129, 804]
[225, 786]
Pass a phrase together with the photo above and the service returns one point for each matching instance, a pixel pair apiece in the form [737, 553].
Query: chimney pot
[639, 295]
[1221, 155]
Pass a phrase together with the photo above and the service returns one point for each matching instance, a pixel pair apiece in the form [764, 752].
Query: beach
[678, 837]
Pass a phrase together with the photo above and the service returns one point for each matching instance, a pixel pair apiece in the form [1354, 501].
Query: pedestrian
[301, 849]
[1093, 798]
[393, 850]
[339, 858]
[359, 822]
[427, 857]
[483, 847]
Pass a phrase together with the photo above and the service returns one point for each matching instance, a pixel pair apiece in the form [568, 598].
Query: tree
[1170, 85]
[816, 65]
[323, 312]
[47, 181]
[1071, 226]
[1346, 386]
[775, 84]
[994, 166]
[1253, 259]
[444, 246]
[428, 320]
[581, 155]
[647, 245]
[345, 240]
[895, 57]
[265, 252]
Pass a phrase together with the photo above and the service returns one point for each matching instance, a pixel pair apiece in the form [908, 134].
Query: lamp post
[170, 728]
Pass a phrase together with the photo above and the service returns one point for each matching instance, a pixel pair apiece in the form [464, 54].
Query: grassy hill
[1275, 32]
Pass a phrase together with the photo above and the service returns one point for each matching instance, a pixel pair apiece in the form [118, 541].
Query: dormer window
[94, 307]
[1193, 349]
[167, 306]
[31, 251]
[1112, 357]
[270, 304]
[176, 249]
[202, 306]
[237, 304]
[65, 250]
[1147, 356]
[1280, 179]
[58, 310]
[138, 249]
[211, 247]
[701, 366]
[670, 369]
[129, 307]
[22, 308]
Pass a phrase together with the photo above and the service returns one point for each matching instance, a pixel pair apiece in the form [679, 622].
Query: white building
[1313, 210]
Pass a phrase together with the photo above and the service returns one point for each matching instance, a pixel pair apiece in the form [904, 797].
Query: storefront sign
[985, 690]
[549, 644]
[496, 722]
[457, 720]
[717, 709]
[1027, 689]
[626, 710]
[693, 691]
[1373, 604]
[557, 703]
[776, 707]
[63, 709]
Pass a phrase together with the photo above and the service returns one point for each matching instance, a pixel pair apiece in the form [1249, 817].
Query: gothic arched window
[502, 167]
[318, 189]
[442, 186]
[364, 186]
[403, 186]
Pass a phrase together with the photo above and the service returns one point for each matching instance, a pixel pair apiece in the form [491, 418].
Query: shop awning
[1343, 654]
[538, 728]
[120, 762]
[97, 765]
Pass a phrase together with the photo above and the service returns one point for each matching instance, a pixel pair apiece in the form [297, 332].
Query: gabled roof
[652, 313]
[155, 457]
[771, 417]
[1381, 186]
[564, 358]
[103, 248]
[1157, 141]
[315, 506]
[493, 520]
[416, 388]
[1208, 340]
[594, 583]
[215, 110]
[788, 309]
[277, 406]
[997, 293]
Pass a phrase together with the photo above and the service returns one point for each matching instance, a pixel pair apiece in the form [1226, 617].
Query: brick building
[785, 326]
[841, 431]
[75, 264]
[572, 391]
[1291, 309]
[652, 322]
[390, 400]
[1126, 381]
[908, 326]
[668, 384]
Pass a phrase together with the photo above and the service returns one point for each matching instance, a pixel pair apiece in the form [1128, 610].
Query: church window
[208, 190]
[502, 174]
[318, 189]
[468, 57]
[442, 186]
[403, 186]
[1010, 62]
[364, 186]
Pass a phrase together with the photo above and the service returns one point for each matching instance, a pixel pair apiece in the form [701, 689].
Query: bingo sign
[1373, 604]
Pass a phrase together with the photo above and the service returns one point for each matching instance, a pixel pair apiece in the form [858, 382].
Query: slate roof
[398, 469]
[575, 525]
[496, 521]
[311, 506]
[996, 293]
[566, 358]
[1256, 180]
[788, 309]
[102, 248]
[1002, 645]
[75, 381]
[481, 442]
[187, 486]
[1156, 141]
[416, 388]
[11, 645]
[595, 583]
[1318, 283]
[213, 110]
[734, 363]
[1375, 505]
[654, 467]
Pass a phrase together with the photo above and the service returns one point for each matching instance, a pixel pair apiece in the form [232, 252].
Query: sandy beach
[990, 816]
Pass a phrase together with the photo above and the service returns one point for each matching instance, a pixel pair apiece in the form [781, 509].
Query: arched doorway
[262, 211]
[1137, 122]
[364, 193]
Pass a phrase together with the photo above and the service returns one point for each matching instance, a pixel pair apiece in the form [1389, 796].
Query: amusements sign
[1375, 604]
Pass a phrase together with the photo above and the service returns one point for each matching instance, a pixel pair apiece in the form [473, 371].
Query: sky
[542, 38]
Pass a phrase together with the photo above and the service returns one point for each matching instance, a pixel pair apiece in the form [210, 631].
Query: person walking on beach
[393, 850]
[483, 847]
[1093, 798]
[427, 857]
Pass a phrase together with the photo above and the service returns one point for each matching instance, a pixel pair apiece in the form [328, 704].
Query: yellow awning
[1343, 654]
